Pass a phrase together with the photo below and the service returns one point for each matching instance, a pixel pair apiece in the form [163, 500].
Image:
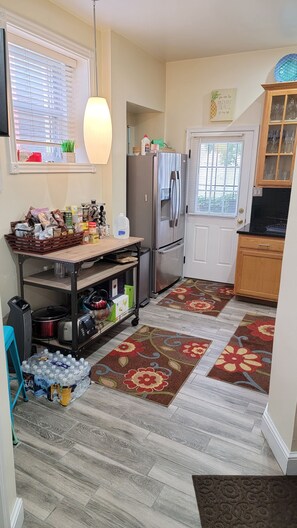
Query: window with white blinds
[42, 99]
[214, 175]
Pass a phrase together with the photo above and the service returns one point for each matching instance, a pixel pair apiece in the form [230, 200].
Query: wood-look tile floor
[110, 460]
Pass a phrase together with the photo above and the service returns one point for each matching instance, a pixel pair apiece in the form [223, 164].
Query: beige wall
[151, 124]
[283, 386]
[189, 83]
[138, 78]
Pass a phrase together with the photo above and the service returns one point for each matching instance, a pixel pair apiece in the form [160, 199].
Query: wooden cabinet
[258, 267]
[278, 136]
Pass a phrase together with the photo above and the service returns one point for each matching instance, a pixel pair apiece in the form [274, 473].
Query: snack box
[119, 308]
[129, 290]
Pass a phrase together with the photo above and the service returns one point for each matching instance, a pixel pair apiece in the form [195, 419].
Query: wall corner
[17, 515]
[286, 459]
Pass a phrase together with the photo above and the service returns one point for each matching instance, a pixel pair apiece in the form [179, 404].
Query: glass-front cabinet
[278, 136]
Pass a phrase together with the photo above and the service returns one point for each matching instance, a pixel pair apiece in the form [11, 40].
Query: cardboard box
[129, 290]
[113, 287]
[119, 308]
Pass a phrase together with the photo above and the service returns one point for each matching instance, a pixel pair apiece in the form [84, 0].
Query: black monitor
[3, 86]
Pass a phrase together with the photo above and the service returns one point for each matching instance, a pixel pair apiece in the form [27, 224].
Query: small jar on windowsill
[68, 154]
[68, 157]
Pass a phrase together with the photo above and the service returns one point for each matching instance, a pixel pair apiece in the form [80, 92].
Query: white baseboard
[17, 516]
[286, 459]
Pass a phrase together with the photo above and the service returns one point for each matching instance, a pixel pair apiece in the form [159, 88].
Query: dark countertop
[261, 230]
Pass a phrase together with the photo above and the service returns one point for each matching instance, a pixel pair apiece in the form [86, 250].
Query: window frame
[35, 33]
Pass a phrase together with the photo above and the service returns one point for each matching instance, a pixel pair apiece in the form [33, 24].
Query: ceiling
[186, 29]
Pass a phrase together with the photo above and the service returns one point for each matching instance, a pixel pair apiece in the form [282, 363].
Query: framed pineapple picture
[222, 103]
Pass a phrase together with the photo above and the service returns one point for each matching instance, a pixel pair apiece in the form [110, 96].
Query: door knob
[241, 210]
[240, 221]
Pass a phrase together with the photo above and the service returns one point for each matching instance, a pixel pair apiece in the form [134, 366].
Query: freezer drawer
[167, 266]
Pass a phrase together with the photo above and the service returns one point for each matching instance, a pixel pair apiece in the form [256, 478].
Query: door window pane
[218, 176]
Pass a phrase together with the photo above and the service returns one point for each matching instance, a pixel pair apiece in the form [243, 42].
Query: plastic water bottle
[121, 228]
[25, 367]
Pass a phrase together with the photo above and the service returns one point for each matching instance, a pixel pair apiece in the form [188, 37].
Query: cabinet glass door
[288, 139]
[277, 108]
[281, 138]
[270, 168]
[291, 108]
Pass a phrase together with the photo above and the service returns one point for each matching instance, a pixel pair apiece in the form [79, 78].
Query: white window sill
[50, 168]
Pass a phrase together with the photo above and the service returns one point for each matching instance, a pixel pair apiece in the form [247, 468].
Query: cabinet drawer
[261, 243]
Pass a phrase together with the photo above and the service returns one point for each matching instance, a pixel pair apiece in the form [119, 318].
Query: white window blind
[214, 175]
[42, 98]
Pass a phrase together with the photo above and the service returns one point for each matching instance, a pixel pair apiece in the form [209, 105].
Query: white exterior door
[220, 178]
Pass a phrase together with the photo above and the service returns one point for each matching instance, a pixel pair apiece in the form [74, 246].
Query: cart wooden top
[84, 252]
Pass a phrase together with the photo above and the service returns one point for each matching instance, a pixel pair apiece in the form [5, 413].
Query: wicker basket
[30, 244]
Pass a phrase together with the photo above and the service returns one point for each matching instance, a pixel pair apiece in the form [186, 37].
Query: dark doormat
[246, 501]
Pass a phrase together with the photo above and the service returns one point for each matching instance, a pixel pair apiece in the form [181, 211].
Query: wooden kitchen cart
[79, 279]
[278, 137]
[258, 267]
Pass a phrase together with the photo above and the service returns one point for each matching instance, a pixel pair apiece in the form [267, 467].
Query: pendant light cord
[95, 46]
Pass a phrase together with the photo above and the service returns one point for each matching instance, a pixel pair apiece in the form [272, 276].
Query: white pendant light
[97, 120]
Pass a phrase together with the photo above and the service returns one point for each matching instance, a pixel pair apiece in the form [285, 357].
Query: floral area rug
[151, 364]
[199, 296]
[246, 360]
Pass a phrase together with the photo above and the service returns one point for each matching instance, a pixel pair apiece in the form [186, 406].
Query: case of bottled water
[58, 377]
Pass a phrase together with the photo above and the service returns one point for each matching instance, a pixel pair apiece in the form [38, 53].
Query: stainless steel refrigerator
[156, 185]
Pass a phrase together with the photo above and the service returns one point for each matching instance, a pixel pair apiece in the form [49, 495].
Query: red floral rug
[199, 296]
[152, 364]
[246, 360]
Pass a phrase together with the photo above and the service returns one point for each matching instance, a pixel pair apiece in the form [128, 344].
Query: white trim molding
[286, 459]
[32, 29]
[50, 168]
[17, 516]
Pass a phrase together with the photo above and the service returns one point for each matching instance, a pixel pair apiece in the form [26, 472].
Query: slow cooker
[45, 321]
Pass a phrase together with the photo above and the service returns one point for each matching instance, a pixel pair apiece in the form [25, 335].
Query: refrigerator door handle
[178, 198]
[172, 217]
[164, 251]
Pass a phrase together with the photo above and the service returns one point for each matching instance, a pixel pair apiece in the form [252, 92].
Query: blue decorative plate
[286, 68]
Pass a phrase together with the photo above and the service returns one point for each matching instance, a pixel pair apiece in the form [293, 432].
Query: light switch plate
[257, 191]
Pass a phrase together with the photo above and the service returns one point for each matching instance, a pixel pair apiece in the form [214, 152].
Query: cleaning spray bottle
[145, 145]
